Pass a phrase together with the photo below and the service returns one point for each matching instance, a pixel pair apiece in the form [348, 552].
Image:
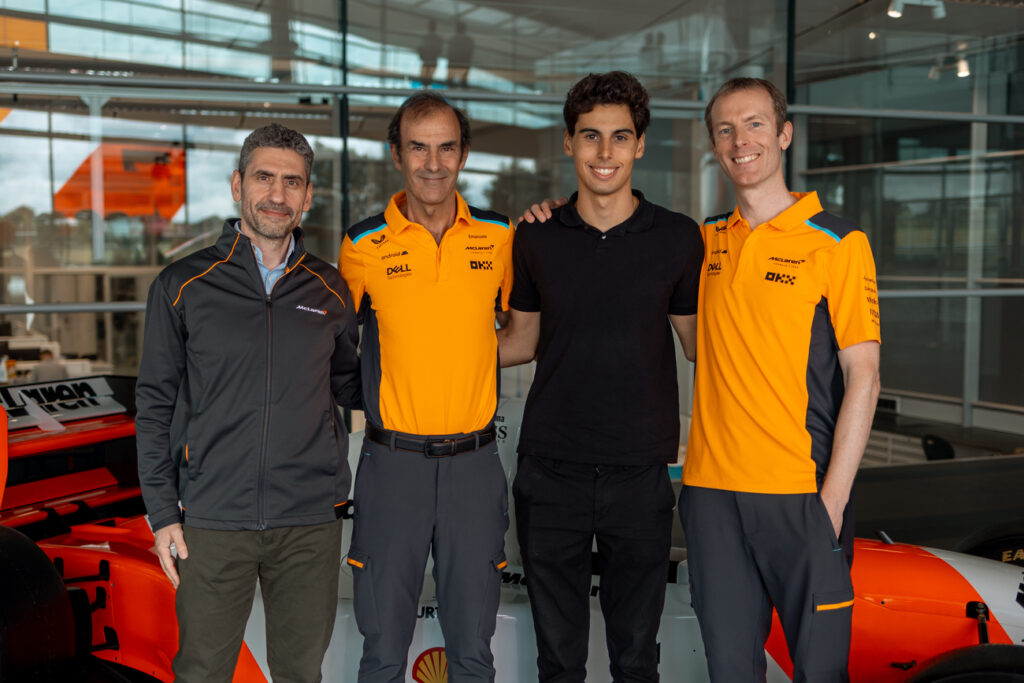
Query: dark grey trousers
[298, 572]
[748, 552]
[406, 506]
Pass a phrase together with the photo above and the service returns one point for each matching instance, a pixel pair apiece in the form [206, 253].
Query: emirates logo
[431, 666]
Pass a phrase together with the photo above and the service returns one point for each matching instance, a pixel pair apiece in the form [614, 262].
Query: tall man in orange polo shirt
[425, 275]
[786, 385]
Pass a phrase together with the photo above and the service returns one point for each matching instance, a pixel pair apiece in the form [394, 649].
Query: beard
[270, 228]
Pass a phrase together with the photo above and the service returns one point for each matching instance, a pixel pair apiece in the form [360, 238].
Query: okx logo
[781, 278]
[481, 265]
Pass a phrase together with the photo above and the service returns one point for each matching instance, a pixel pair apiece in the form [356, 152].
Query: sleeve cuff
[165, 518]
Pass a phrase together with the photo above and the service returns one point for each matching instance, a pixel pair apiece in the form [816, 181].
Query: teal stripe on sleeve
[824, 230]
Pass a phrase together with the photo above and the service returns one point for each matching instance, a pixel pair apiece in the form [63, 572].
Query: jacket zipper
[261, 475]
[261, 523]
[261, 480]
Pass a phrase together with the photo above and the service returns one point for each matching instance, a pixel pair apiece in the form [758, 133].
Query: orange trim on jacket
[196, 277]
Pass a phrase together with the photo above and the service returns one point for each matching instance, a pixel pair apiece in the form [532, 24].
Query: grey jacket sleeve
[161, 375]
[345, 376]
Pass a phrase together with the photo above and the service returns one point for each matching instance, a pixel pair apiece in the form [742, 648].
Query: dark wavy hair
[422, 104]
[276, 135]
[736, 84]
[614, 87]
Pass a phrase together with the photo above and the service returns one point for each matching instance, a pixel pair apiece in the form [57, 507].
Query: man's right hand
[542, 212]
[165, 537]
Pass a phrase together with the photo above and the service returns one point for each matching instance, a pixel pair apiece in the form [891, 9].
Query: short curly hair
[614, 87]
[281, 137]
[736, 84]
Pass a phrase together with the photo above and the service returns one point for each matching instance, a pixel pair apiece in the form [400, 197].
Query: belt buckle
[448, 445]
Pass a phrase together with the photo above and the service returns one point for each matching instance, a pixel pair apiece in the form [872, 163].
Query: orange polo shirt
[429, 350]
[776, 304]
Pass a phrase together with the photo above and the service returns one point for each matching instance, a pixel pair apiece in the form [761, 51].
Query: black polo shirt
[605, 389]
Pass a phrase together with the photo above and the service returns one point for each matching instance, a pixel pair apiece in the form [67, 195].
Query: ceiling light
[872, 35]
[895, 9]
[963, 69]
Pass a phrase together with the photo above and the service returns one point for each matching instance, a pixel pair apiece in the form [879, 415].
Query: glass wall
[120, 123]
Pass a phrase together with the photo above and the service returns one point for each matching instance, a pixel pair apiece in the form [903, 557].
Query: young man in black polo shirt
[596, 287]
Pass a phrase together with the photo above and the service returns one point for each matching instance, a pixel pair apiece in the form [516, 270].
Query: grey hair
[281, 137]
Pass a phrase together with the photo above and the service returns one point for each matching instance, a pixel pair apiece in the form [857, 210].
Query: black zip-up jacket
[238, 390]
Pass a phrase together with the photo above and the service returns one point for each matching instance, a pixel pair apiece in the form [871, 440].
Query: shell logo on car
[431, 666]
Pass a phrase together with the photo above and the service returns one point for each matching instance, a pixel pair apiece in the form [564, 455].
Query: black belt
[432, 448]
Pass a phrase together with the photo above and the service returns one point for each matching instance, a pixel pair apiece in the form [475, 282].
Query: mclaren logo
[401, 270]
[781, 278]
[431, 666]
[482, 247]
[786, 261]
[307, 309]
[481, 265]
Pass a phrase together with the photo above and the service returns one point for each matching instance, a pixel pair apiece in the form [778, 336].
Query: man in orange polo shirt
[786, 385]
[426, 275]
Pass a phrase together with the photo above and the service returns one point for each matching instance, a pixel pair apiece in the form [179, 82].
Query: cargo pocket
[829, 648]
[365, 602]
[490, 596]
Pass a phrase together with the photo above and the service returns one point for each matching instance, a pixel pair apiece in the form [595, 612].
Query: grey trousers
[406, 506]
[298, 572]
[748, 552]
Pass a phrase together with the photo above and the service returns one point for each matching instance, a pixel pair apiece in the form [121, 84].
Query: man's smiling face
[273, 193]
[747, 139]
[604, 147]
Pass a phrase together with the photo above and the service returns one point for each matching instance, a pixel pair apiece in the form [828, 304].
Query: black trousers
[560, 507]
[748, 552]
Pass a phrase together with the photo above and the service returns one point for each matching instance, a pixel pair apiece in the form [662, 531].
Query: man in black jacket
[250, 346]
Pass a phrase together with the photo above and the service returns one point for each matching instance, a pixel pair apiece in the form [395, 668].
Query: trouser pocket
[491, 596]
[828, 651]
[364, 597]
